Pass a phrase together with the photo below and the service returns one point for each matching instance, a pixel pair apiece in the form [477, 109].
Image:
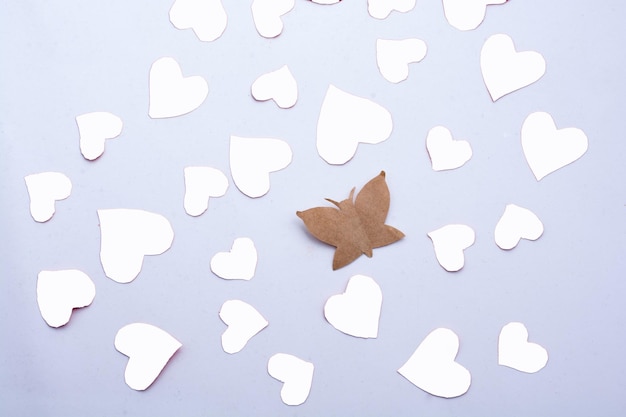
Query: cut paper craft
[243, 322]
[201, 184]
[449, 242]
[548, 149]
[345, 121]
[207, 18]
[171, 94]
[380, 9]
[505, 70]
[94, 129]
[128, 235]
[444, 152]
[148, 349]
[356, 226]
[253, 159]
[59, 292]
[394, 56]
[44, 190]
[467, 14]
[432, 367]
[357, 311]
[517, 223]
[239, 263]
[279, 86]
[326, 2]
[516, 352]
[267, 15]
[295, 374]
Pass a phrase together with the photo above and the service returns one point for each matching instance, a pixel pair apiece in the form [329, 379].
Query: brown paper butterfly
[355, 227]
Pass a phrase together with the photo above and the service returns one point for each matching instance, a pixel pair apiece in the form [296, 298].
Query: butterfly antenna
[351, 197]
[333, 201]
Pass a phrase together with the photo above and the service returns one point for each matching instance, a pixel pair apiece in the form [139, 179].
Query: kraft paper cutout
[355, 227]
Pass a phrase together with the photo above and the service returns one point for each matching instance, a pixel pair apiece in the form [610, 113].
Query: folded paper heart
[202, 183]
[444, 152]
[516, 352]
[449, 242]
[517, 223]
[380, 9]
[267, 15]
[94, 129]
[239, 263]
[59, 292]
[394, 56]
[44, 190]
[295, 374]
[279, 86]
[207, 18]
[467, 14]
[243, 322]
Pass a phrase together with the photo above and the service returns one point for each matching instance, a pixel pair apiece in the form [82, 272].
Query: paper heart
[59, 292]
[295, 374]
[325, 2]
[202, 183]
[380, 9]
[171, 94]
[94, 129]
[148, 349]
[449, 242]
[446, 153]
[467, 14]
[207, 18]
[357, 311]
[432, 367]
[516, 352]
[394, 56]
[548, 149]
[345, 121]
[44, 190]
[253, 159]
[279, 86]
[243, 322]
[505, 70]
[126, 236]
[517, 223]
[239, 263]
[267, 16]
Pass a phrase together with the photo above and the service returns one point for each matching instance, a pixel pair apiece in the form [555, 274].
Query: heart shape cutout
[432, 366]
[239, 263]
[278, 85]
[547, 149]
[267, 16]
[207, 18]
[505, 70]
[394, 56]
[467, 14]
[295, 374]
[94, 129]
[126, 236]
[243, 322]
[202, 183]
[253, 159]
[171, 94]
[148, 349]
[517, 223]
[44, 190]
[449, 242]
[345, 121]
[516, 352]
[445, 152]
[380, 9]
[59, 292]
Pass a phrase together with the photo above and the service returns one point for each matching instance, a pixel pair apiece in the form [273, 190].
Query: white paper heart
[243, 322]
[94, 129]
[380, 9]
[267, 16]
[446, 153]
[253, 159]
[326, 2]
[128, 235]
[548, 149]
[505, 70]
[516, 352]
[239, 263]
[517, 223]
[202, 183]
[44, 190]
[467, 14]
[148, 349]
[394, 56]
[295, 374]
[59, 292]
[345, 121]
[432, 367]
[207, 18]
[449, 242]
[171, 94]
[279, 86]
